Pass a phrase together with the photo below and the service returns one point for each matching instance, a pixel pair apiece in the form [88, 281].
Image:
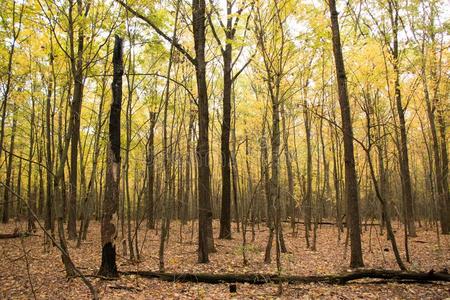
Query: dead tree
[110, 204]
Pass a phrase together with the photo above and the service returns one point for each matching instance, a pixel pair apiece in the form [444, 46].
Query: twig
[92, 289]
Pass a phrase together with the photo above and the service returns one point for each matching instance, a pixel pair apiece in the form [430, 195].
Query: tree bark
[151, 173]
[290, 175]
[77, 73]
[445, 216]
[108, 267]
[49, 224]
[205, 242]
[351, 183]
[404, 159]
[225, 216]
[308, 196]
[9, 167]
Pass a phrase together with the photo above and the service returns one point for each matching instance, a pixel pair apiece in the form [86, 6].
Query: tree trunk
[351, 184]
[77, 73]
[290, 175]
[9, 167]
[49, 225]
[404, 160]
[31, 227]
[225, 216]
[151, 172]
[167, 152]
[205, 242]
[445, 216]
[308, 196]
[108, 267]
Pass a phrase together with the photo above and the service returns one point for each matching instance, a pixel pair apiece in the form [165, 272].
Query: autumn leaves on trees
[258, 113]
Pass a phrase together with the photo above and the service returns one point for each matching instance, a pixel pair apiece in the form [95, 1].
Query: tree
[351, 186]
[108, 267]
[229, 29]
[205, 240]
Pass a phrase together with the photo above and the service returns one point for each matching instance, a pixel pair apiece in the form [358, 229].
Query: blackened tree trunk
[351, 183]
[108, 267]
[205, 242]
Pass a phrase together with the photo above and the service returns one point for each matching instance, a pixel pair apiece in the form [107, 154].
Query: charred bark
[108, 229]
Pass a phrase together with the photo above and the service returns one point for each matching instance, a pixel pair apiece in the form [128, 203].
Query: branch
[159, 31]
[243, 68]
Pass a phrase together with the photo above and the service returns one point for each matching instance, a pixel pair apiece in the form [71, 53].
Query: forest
[224, 149]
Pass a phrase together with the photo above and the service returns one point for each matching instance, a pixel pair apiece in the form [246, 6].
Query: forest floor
[46, 276]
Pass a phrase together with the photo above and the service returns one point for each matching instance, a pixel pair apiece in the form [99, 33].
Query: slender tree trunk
[151, 172]
[49, 224]
[445, 216]
[235, 174]
[308, 196]
[9, 168]
[225, 216]
[77, 70]
[404, 159]
[351, 183]
[290, 175]
[128, 115]
[188, 181]
[31, 198]
[167, 152]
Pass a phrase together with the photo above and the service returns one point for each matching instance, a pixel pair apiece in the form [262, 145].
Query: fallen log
[331, 223]
[396, 276]
[15, 235]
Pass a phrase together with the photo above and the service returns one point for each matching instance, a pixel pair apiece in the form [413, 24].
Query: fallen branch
[332, 223]
[397, 276]
[15, 235]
